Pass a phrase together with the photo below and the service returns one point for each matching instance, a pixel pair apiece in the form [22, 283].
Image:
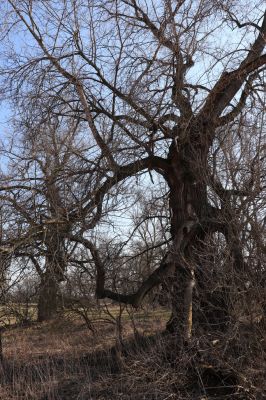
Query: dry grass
[64, 360]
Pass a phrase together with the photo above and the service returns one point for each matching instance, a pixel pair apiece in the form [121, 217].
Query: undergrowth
[64, 360]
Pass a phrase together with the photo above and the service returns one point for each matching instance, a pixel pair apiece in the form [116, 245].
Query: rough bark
[54, 274]
[48, 298]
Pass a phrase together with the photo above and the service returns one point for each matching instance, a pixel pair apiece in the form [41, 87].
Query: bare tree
[162, 91]
[47, 166]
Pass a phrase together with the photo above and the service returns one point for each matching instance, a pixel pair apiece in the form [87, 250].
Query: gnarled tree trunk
[48, 297]
[51, 278]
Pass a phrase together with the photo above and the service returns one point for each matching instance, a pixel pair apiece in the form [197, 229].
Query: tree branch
[230, 82]
[122, 172]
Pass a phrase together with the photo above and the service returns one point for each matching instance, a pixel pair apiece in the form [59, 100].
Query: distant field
[13, 314]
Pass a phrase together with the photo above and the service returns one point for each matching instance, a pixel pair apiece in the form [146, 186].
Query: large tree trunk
[48, 298]
[184, 225]
[190, 225]
[54, 274]
[180, 323]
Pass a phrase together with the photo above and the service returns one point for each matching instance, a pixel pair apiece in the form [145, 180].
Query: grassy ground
[126, 357]
[63, 359]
